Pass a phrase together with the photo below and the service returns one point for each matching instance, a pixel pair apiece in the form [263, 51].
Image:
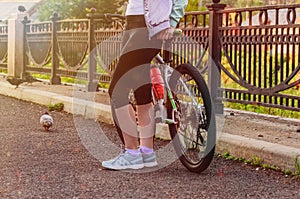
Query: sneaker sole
[136, 166]
[150, 164]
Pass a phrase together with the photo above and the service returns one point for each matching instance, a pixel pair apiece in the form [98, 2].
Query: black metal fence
[256, 50]
[261, 49]
[249, 55]
[71, 48]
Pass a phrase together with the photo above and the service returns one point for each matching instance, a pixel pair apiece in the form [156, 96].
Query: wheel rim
[192, 134]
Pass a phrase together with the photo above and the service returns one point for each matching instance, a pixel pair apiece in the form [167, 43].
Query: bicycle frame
[167, 70]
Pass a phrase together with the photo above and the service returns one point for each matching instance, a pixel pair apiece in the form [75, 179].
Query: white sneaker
[124, 161]
[149, 159]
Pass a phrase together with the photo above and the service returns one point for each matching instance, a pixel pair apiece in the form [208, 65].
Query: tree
[71, 9]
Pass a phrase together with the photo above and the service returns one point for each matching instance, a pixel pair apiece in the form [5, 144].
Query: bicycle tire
[192, 127]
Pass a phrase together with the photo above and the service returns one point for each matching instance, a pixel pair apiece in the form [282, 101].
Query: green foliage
[104, 85]
[56, 107]
[71, 9]
[263, 110]
[227, 156]
[243, 4]
[287, 172]
[297, 166]
[255, 160]
[75, 9]
[196, 5]
[266, 166]
[200, 5]
[3, 71]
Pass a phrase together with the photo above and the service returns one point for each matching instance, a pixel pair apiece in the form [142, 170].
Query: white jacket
[161, 14]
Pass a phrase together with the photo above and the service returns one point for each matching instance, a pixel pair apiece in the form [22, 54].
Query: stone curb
[88, 109]
[267, 153]
[238, 146]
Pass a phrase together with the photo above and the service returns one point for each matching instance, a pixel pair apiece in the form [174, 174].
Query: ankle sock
[134, 152]
[146, 150]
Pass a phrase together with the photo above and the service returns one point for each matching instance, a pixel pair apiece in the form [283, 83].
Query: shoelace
[122, 152]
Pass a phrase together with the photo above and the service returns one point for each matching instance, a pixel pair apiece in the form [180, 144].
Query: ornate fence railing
[84, 49]
[249, 55]
[3, 46]
[261, 55]
[38, 46]
[193, 46]
[108, 41]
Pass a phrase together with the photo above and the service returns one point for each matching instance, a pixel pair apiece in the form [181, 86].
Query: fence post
[92, 84]
[24, 57]
[54, 79]
[16, 41]
[214, 72]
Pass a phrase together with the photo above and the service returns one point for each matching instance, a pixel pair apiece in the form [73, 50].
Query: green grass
[263, 110]
[256, 161]
[68, 80]
[56, 107]
[297, 165]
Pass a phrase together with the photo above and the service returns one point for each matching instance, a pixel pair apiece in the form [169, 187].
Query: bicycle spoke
[193, 142]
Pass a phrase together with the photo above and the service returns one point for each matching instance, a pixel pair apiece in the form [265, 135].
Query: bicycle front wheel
[193, 133]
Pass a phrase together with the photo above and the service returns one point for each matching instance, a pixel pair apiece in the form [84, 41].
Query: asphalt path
[59, 164]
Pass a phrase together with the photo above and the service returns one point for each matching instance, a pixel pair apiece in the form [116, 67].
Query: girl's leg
[125, 118]
[138, 79]
[145, 116]
[133, 72]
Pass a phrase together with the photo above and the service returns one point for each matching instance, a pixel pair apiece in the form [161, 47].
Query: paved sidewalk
[275, 140]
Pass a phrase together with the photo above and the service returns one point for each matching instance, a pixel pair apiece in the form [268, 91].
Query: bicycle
[187, 110]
